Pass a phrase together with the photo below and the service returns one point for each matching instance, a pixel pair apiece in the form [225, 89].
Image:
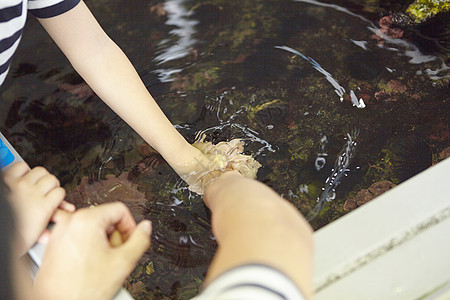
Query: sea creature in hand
[220, 158]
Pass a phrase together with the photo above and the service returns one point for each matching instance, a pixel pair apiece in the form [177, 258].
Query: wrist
[217, 189]
[184, 158]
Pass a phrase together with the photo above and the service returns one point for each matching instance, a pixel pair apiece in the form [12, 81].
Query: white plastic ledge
[395, 247]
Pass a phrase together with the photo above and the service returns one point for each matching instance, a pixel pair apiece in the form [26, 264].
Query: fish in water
[339, 170]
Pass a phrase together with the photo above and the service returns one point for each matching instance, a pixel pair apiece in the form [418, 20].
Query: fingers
[60, 216]
[136, 245]
[56, 196]
[44, 181]
[38, 173]
[21, 170]
[50, 202]
[17, 170]
[67, 206]
[114, 216]
[38, 176]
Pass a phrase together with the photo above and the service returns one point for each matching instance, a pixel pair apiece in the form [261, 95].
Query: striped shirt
[13, 14]
[251, 282]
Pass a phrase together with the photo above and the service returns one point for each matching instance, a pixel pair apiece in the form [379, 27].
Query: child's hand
[209, 161]
[80, 261]
[35, 196]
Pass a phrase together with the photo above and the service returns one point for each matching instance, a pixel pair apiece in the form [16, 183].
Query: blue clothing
[6, 157]
[13, 14]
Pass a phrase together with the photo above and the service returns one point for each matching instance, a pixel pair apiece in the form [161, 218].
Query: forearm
[115, 81]
[253, 224]
[110, 74]
[113, 78]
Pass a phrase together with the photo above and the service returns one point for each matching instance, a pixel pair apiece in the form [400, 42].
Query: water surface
[324, 105]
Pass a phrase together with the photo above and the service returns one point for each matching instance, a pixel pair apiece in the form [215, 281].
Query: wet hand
[212, 160]
[35, 195]
[82, 261]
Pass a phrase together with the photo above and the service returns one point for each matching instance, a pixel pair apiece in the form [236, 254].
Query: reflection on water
[266, 72]
[181, 39]
[338, 88]
[335, 7]
[339, 171]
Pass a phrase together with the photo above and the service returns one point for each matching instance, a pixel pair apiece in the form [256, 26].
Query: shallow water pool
[336, 110]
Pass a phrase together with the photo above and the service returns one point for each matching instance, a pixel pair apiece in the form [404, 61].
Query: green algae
[422, 10]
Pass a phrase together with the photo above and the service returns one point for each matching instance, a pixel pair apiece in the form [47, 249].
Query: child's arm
[110, 74]
[253, 224]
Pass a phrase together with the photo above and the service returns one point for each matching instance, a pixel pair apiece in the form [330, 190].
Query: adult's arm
[107, 70]
[253, 224]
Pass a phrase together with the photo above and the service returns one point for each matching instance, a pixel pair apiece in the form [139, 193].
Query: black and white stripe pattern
[12, 21]
[13, 14]
[253, 281]
[50, 8]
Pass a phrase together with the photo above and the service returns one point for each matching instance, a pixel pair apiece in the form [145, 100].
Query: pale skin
[35, 196]
[80, 260]
[253, 224]
[111, 75]
[250, 221]
[107, 70]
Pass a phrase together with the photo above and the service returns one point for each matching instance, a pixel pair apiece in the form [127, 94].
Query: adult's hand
[35, 195]
[80, 262]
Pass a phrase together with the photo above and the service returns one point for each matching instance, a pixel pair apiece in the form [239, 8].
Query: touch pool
[330, 98]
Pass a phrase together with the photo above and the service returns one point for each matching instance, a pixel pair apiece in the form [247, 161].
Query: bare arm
[110, 74]
[253, 224]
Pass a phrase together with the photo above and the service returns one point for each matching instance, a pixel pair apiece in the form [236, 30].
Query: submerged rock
[444, 153]
[110, 189]
[387, 29]
[390, 91]
[422, 10]
[366, 195]
[432, 36]
[427, 28]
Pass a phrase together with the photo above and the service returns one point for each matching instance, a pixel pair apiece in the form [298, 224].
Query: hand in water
[81, 251]
[211, 161]
[35, 196]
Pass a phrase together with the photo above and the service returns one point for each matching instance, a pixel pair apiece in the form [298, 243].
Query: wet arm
[253, 224]
[107, 70]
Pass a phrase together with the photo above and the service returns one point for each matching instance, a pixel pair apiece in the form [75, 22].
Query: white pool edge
[394, 247]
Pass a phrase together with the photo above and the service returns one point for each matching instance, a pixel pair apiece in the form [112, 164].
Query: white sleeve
[50, 8]
[253, 281]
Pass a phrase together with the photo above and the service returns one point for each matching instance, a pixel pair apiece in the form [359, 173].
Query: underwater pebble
[366, 195]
